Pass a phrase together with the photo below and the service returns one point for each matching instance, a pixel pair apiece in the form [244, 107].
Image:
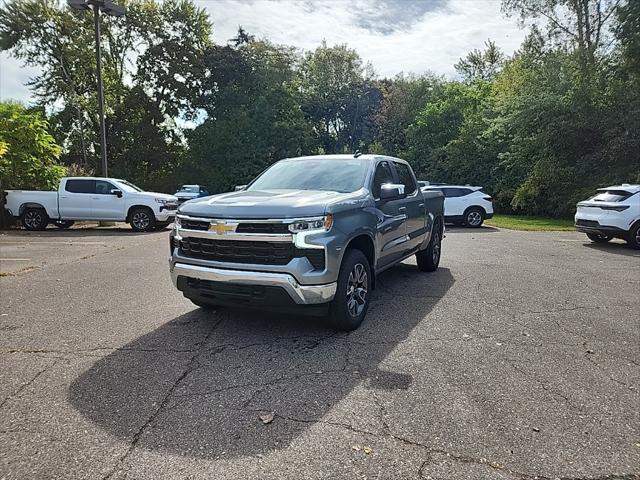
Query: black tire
[429, 259]
[596, 237]
[474, 217]
[633, 237]
[351, 302]
[142, 219]
[64, 223]
[34, 219]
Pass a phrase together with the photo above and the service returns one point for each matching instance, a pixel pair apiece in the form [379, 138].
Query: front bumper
[165, 214]
[299, 294]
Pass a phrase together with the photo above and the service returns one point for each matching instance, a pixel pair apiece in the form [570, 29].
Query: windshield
[314, 174]
[190, 189]
[129, 187]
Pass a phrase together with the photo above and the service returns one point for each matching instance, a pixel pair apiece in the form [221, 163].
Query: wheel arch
[478, 207]
[26, 205]
[365, 243]
[134, 207]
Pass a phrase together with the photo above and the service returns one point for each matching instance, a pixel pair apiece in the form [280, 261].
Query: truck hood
[186, 195]
[264, 204]
[152, 195]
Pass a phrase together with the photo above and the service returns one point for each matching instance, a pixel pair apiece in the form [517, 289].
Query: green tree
[402, 99]
[253, 115]
[28, 153]
[338, 97]
[481, 65]
[172, 36]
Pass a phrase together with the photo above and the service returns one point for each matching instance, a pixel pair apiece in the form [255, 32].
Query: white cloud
[432, 41]
[13, 77]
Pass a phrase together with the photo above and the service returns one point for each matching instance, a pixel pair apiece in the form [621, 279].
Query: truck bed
[18, 199]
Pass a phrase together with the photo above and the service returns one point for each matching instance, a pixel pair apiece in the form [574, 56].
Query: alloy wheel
[357, 287]
[141, 220]
[474, 219]
[33, 219]
[436, 248]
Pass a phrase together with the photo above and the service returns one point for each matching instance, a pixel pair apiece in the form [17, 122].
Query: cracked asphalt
[518, 359]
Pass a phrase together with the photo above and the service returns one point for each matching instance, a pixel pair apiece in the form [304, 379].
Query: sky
[395, 36]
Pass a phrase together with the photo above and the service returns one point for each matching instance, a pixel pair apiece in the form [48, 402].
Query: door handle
[95, 198]
[421, 205]
[402, 209]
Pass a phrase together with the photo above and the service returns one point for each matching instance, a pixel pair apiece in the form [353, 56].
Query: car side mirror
[391, 191]
[116, 192]
[239, 188]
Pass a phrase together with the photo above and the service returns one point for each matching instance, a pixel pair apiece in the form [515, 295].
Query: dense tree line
[539, 129]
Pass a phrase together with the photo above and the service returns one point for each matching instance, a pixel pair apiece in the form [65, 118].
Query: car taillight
[488, 199]
[621, 208]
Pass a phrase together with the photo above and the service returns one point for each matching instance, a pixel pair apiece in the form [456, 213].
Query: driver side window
[104, 188]
[382, 175]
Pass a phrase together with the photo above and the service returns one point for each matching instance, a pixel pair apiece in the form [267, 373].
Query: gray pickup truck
[309, 234]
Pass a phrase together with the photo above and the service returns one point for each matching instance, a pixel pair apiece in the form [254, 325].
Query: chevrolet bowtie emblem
[221, 228]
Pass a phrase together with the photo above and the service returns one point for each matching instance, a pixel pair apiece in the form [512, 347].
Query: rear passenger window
[456, 192]
[405, 177]
[383, 175]
[80, 186]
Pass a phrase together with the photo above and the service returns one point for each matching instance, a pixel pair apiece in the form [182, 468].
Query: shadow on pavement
[461, 229]
[54, 232]
[197, 385]
[615, 247]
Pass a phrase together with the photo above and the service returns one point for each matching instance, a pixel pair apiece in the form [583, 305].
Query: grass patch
[531, 224]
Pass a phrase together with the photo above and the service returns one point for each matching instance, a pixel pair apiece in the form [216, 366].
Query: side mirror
[239, 188]
[391, 191]
[117, 193]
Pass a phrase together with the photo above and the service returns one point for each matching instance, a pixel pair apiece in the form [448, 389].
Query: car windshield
[189, 189]
[314, 174]
[129, 187]
[611, 196]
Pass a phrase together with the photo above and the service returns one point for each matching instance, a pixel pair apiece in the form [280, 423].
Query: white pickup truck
[92, 198]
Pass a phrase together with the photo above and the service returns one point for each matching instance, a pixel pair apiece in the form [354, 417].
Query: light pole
[107, 8]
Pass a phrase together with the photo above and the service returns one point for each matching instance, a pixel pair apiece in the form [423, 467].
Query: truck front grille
[248, 227]
[243, 251]
[263, 228]
[195, 224]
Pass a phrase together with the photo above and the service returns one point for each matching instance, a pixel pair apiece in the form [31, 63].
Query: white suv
[463, 204]
[613, 213]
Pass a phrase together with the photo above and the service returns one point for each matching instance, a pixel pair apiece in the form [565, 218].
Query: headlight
[320, 223]
[162, 201]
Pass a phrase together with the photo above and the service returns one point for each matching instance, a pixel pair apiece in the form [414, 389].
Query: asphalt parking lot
[518, 359]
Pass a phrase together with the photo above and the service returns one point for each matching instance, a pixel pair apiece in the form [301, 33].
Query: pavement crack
[546, 386]
[28, 383]
[588, 356]
[192, 365]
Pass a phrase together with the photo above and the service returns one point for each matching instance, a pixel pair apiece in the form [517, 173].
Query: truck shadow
[617, 247]
[198, 385]
[462, 229]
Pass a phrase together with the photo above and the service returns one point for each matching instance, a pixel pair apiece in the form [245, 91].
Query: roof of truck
[348, 156]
